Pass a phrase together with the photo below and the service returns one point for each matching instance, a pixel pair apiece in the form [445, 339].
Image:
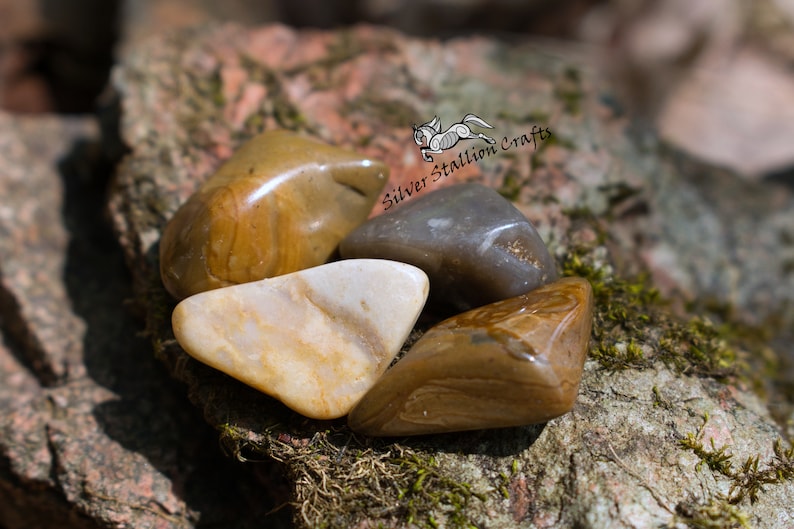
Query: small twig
[639, 478]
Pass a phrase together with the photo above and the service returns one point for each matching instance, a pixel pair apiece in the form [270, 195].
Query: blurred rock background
[714, 77]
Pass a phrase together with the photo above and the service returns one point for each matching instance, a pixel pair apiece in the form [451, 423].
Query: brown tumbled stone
[281, 204]
[510, 363]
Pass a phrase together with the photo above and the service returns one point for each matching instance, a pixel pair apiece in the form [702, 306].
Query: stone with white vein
[316, 339]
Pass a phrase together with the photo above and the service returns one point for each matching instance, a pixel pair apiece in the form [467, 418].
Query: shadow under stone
[783, 176]
[497, 442]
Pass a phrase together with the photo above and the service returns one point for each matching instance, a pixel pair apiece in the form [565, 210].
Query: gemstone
[514, 362]
[316, 339]
[475, 246]
[280, 204]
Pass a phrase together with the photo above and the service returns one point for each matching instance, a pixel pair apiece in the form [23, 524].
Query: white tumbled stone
[316, 339]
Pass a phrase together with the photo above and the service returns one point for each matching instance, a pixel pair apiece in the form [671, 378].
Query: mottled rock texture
[34, 245]
[659, 399]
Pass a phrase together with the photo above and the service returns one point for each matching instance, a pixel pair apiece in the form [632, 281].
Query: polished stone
[316, 339]
[511, 363]
[475, 246]
[280, 204]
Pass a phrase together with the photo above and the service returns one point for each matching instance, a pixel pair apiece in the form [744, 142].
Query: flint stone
[474, 245]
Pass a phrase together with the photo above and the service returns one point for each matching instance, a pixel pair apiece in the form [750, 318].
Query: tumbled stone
[316, 339]
[280, 204]
[475, 246]
[514, 362]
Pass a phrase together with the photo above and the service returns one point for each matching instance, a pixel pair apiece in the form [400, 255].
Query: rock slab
[191, 99]
[34, 244]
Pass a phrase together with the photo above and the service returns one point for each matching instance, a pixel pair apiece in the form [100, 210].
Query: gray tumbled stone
[475, 246]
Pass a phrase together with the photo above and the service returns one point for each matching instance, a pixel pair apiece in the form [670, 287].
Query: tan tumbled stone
[316, 339]
[280, 204]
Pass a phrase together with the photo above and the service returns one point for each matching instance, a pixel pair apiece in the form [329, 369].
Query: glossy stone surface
[514, 362]
[280, 204]
[316, 339]
[475, 246]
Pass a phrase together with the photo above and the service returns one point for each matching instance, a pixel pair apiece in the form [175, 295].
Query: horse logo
[438, 141]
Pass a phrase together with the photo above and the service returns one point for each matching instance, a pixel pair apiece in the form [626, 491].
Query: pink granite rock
[34, 244]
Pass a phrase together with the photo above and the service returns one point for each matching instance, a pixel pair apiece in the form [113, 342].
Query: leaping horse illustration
[438, 141]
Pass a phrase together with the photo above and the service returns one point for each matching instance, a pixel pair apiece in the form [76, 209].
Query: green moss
[633, 329]
[342, 481]
[746, 481]
[232, 440]
[430, 491]
[616, 357]
[364, 140]
[201, 104]
[343, 48]
[569, 90]
[285, 112]
[511, 185]
[659, 400]
[346, 47]
[715, 458]
[254, 122]
[556, 139]
[536, 117]
[697, 347]
[622, 306]
[278, 104]
[216, 90]
[288, 116]
[716, 513]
